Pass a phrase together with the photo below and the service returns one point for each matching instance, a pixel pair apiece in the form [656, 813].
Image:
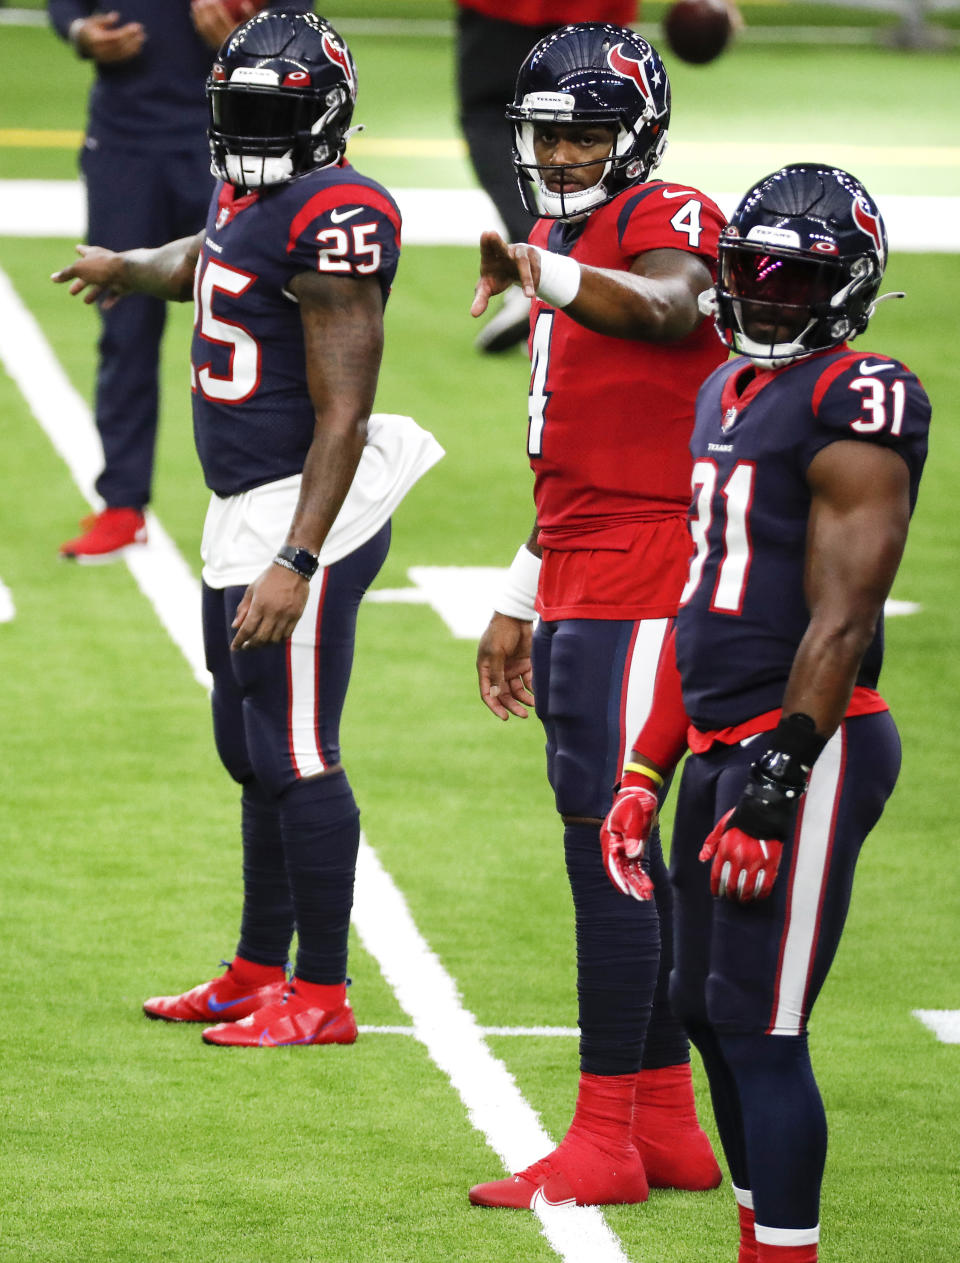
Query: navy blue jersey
[157, 98]
[253, 418]
[743, 611]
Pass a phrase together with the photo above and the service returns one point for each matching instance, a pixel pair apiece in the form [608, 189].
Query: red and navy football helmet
[592, 73]
[281, 94]
[800, 265]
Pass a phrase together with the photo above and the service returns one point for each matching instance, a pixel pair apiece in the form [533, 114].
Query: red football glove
[744, 868]
[623, 836]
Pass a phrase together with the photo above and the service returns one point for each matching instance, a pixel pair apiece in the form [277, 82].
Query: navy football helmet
[599, 74]
[281, 94]
[800, 265]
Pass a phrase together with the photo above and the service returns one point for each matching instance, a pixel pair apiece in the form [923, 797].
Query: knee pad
[577, 785]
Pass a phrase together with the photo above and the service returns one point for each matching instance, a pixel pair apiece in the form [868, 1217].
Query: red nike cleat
[105, 536]
[224, 999]
[577, 1175]
[675, 1150]
[291, 1019]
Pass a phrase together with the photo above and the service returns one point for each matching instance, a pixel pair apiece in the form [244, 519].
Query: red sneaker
[105, 535]
[675, 1150]
[224, 999]
[290, 1019]
[570, 1176]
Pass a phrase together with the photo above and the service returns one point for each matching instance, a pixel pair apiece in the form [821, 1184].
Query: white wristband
[559, 279]
[519, 591]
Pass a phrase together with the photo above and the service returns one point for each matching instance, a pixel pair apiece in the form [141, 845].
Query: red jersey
[555, 12]
[611, 418]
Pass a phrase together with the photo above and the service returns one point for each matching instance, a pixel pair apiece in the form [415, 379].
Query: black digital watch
[300, 560]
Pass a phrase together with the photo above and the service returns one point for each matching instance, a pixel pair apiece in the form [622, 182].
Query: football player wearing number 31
[290, 278]
[614, 268]
[807, 460]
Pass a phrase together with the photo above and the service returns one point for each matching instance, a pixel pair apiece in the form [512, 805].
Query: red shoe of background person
[232, 996]
[292, 1019]
[105, 535]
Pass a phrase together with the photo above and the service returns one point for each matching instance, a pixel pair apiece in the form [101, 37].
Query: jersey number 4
[539, 396]
[734, 569]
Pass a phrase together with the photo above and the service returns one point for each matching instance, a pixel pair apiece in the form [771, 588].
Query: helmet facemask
[800, 264]
[590, 74]
[281, 94]
[620, 168]
[776, 306]
[266, 134]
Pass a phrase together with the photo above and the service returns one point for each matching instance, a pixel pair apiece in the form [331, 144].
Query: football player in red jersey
[614, 268]
[492, 39]
[290, 278]
[807, 462]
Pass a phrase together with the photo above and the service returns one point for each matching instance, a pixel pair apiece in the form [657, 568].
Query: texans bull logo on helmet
[630, 68]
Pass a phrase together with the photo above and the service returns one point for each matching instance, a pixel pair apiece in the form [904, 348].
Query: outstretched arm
[165, 272]
[655, 301]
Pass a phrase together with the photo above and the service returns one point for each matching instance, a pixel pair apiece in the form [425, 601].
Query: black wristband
[795, 746]
[301, 560]
[778, 780]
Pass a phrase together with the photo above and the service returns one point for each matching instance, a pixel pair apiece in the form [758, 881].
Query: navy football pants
[136, 198]
[746, 976]
[593, 683]
[276, 718]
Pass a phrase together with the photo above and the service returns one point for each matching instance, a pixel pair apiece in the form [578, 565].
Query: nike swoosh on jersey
[868, 369]
[681, 193]
[339, 216]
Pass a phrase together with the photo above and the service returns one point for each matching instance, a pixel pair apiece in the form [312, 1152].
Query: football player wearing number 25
[807, 461]
[614, 268]
[290, 278]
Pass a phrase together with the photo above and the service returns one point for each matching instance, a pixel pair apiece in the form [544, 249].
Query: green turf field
[130, 1141]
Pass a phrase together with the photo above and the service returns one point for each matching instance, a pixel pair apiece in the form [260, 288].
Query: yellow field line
[454, 148]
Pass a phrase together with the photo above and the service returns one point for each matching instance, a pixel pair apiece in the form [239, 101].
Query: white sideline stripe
[433, 217]
[160, 572]
[455, 1043]
[423, 988]
[8, 611]
[945, 1023]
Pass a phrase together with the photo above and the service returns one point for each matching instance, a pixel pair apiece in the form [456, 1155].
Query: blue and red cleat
[225, 999]
[290, 1019]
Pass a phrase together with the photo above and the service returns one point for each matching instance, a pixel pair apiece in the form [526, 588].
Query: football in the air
[697, 31]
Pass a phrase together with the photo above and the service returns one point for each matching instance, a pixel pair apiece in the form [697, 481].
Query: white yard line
[424, 989]
[456, 217]
[945, 1023]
